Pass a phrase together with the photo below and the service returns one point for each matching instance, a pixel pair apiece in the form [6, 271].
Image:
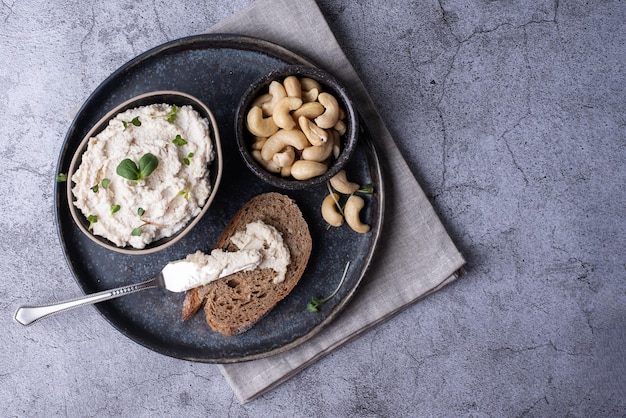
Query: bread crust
[235, 303]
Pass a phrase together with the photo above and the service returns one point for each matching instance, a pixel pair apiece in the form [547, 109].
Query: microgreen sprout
[129, 170]
[171, 117]
[315, 303]
[367, 189]
[92, 219]
[105, 183]
[184, 193]
[187, 159]
[115, 208]
[134, 122]
[179, 140]
[137, 231]
[61, 178]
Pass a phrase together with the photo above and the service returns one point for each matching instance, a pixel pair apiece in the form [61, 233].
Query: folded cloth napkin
[415, 257]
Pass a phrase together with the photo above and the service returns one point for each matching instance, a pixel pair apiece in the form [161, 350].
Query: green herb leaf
[179, 140]
[136, 232]
[368, 189]
[171, 117]
[135, 122]
[95, 189]
[92, 219]
[115, 208]
[140, 212]
[313, 305]
[105, 183]
[147, 164]
[187, 159]
[61, 178]
[128, 169]
[184, 193]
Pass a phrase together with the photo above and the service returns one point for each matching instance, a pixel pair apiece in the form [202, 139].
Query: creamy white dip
[259, 246]
[168, 198]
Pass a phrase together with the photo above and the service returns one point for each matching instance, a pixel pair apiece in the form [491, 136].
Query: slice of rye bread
[235, 303]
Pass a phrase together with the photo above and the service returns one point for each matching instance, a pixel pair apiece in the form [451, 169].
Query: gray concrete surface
[512, 116]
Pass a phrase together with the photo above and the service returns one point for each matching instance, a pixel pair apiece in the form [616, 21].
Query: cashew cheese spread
[138, 211]
[259, 246]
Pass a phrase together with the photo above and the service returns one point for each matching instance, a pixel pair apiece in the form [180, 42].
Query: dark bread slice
[235, 303]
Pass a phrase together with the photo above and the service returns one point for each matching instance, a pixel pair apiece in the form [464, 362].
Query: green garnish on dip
[179, 140]
[137, 231]
[92, 219]
[187, 159]
[129, 170]
[134, 122]
[171, 117]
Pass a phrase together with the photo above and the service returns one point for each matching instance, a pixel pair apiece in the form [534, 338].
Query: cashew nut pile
[334, 214]
[296, 128]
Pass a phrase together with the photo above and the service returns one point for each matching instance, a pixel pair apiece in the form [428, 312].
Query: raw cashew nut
[268, 165]
[318, 153]
[315, 134]
[310, 84]
[282, 117]
[310, 95]
[310, 89]
[263, 101]
[310, 110]
[258, 142]
[340, 183]
[329, 210]
[329, 118]
[304, 170]
[292, 86]
[351, 210]
[340, 127]
[285, 158]
[280, 140]
[258, 125]
[277, 90]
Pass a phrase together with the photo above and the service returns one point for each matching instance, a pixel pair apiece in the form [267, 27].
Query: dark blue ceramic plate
[217, 69]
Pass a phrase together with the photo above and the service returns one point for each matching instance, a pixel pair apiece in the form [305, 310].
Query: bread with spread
[235, 303]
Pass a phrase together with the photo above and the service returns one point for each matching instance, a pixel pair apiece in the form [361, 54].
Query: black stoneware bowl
[215, 170]
[245, 138]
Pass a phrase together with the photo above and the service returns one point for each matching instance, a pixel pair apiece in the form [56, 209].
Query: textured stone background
[512, 115]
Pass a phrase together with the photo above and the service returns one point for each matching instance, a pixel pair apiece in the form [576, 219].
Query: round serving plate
[217, 69]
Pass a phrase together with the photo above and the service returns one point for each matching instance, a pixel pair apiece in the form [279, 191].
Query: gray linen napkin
[416, 256]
